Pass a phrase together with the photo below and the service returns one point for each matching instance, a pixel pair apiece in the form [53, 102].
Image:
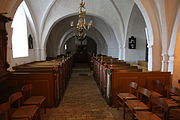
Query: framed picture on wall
[30, 42]
[132, 42]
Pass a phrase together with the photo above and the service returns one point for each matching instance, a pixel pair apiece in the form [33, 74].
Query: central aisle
[82, 99]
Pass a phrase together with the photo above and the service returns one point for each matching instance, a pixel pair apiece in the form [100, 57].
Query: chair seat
[156, 93]
[127, 96]
[34, 100]
[171, 103]
[146, 115]
[176, 98]
[175, 113]
[136, 105]
[25, 112]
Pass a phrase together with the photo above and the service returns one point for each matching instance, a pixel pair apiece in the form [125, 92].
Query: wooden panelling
[6, 88]
[113, 76]
[121, 80]
[42, 84]
[49, 78]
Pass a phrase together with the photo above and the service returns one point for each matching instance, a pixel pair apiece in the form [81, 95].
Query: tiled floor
[82, 100]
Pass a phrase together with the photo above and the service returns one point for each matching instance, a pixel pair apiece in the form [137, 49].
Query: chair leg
[133, 117]
[124, 110]
[39, 114]
[43, 106]
[44, 110]
[165, 116]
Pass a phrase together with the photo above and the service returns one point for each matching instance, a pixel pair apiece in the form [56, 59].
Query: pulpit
[3, 59]
[3, 44]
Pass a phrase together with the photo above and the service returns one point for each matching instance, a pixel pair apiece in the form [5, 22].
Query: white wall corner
[164, 65]
[150, 58]
[171, 64]
[40, 54]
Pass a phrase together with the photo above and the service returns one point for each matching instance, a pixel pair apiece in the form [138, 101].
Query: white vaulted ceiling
[110, 20]
[113, 25]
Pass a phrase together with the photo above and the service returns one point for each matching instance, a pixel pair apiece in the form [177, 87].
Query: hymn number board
[132, 42]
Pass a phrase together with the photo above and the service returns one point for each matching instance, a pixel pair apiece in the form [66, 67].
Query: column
[171, 63]
[164, 67]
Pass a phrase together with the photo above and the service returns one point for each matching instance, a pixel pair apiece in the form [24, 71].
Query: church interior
[89, 59]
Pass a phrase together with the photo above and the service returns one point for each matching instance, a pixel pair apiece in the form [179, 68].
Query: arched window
[19, 36]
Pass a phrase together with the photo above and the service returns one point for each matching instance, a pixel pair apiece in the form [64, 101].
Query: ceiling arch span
[147, 21]
[151, 16]
[120, 16]
[95, 8]
[94, 34]
[150, 35]
[61, 26]
[32, 24]
[174, 34]
[43, 20]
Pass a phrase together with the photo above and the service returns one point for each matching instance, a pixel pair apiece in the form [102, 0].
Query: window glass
[19, 36]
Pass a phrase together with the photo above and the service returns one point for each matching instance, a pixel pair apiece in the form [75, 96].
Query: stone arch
[115, 23]
[136, 28]
[73, 41]
[172, 45]
[31, 28]
[101, 44]
[150, 36]
[108, 36]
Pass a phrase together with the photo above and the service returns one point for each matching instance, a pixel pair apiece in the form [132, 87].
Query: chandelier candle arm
[72, 23]
[81, 26]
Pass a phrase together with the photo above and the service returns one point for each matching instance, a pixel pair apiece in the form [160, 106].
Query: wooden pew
[51, 76]
[47, 77]
[102, 66]
[44, 83]
[143, 63]
[105, 76]
[113, 76]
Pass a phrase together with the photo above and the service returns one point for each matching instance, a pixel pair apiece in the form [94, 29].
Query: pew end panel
[43, 85]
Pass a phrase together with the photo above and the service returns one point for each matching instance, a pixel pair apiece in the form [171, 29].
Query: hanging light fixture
[81, 26]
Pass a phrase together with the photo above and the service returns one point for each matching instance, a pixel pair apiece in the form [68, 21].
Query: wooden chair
[139, 105]
[165, 104]
[146, 115]
[158, 87]
[32, 100]
[4, 110]
[173, 93]
[30, 112]
[132, 95]
[176, 114]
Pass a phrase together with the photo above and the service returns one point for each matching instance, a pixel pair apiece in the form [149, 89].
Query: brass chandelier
[81, 26]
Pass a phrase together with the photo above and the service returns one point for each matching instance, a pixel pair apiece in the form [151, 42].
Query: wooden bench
[101, 64]
[103, 74]
[49, 78]
[113, 76]
[45, 84]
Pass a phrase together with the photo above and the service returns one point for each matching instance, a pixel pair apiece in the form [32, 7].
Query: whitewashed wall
[136, 28]
[159, 16]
